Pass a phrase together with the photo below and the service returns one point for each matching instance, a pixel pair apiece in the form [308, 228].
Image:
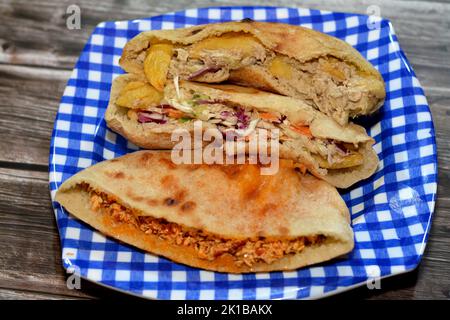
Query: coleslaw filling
[240, 122]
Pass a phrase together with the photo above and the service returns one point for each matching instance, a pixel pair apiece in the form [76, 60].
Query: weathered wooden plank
[6, 294]
[429, 52]
[30, 263]
[440, 108]
[36, 33]
[30, 255]
[433, 77]
[29, 98]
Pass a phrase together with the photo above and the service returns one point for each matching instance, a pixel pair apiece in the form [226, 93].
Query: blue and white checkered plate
[391, 211]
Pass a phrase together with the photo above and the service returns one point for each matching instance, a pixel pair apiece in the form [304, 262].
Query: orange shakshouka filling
[207, 246]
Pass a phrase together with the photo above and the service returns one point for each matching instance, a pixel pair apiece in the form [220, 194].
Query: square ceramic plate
[391, 211]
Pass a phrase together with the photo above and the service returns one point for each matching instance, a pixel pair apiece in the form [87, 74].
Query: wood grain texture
[30, 255]
[26, 295]
[35, 32]
[29, 99]
[37, 52]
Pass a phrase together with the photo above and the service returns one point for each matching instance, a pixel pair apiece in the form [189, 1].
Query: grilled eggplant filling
[207, 246]
[333, 86]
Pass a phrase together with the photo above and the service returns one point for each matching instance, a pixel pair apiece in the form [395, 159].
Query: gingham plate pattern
[391, 211]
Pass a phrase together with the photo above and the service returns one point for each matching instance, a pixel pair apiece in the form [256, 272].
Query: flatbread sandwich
[226, 218]
[340, 154]
[323, 71]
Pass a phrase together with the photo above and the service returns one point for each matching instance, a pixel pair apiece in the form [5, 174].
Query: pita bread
[306, 53]
[225, 203]
[158, 136]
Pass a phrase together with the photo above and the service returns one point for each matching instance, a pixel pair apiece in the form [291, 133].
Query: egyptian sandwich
[225, 218]
[339, 154]
[321, 70]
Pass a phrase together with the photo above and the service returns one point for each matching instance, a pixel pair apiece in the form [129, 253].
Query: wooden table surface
[37, 53]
